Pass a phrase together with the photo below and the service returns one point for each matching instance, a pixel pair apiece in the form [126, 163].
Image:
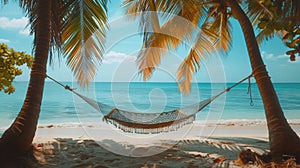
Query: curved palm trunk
[17, 139]
[283, 140]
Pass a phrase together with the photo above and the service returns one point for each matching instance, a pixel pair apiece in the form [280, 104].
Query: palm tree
[213, 16]
[280, 132]
[65, 25]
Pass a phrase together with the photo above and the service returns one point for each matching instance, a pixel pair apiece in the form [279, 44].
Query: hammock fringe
[151, 128]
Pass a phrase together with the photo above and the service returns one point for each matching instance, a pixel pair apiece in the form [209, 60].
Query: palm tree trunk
[18, 138]
[283, 140]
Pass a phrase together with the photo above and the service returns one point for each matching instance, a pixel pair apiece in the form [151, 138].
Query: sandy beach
[210, 144]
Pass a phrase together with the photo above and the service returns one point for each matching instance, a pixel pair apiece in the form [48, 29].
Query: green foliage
[278, 17]
[10, 60]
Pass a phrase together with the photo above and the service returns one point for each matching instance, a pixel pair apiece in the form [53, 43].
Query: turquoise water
[59, 106]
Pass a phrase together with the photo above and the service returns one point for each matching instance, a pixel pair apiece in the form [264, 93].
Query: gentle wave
[61, 106]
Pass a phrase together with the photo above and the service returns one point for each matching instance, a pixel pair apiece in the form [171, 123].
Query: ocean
[61, 106]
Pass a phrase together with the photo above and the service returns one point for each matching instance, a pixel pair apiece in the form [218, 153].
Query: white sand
[102, 145]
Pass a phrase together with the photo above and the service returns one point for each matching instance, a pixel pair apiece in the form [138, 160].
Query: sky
[124, 41]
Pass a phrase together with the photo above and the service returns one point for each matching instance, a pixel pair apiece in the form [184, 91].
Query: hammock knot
[108, 116]
[67, 87]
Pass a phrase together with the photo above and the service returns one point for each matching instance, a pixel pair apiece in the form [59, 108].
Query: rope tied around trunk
[260, 70]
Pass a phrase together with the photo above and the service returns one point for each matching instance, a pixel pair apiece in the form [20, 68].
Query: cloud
[283, 57]
[4, 41]
[7, 23]
[116, 57]
[271, 56]
[24, 32]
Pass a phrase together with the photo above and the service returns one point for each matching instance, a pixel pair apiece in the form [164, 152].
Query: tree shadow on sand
[186, 153]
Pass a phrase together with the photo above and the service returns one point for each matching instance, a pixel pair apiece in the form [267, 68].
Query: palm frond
[173, 7]
[179, 28]
[56, 27]
[150, 56]
[289, 8]
[135, 7]
[83, 37]
[169, 7]
[212, 35]
[30, 9]
[225, 32]
[174, 31]
[265, 35]
[145, 12]
[256, 10]
[219, 27]
[203, 47]
[186, 70]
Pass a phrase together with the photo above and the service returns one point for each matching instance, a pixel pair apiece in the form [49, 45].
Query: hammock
[146, 123]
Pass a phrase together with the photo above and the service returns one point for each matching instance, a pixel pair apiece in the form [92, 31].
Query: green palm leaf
[256, 10]
[265, 35]
[79, 27]
[30, 8]
[83, 37]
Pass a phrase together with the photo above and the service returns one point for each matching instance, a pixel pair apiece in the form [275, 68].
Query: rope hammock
[146, 123]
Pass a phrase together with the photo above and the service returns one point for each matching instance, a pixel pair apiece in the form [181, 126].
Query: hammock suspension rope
[146, 123]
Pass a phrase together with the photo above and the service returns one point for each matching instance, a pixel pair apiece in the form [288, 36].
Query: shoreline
[227, 122]
[250, 127]
[197, 130]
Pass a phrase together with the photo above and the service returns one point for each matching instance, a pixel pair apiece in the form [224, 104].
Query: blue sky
[124, 43]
